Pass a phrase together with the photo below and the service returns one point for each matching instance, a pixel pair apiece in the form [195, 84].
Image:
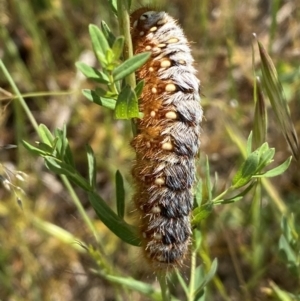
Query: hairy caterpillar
[167, 140]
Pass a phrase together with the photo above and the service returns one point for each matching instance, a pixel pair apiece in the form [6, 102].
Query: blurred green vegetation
[40, 42]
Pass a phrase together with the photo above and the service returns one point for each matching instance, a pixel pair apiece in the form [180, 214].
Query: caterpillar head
[145, 18]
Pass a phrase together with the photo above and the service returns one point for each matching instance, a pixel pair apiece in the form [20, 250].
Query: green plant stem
[165, 294]
[271, 190]
[19, 96]
[61, 234]
[12, 54]
[216, 200]
[112, 85]
[275, 4]
[257, 256]
[80, 208]
[192, 277]
[36, 127]
[205, 256]
[124, 26]
[38, 94]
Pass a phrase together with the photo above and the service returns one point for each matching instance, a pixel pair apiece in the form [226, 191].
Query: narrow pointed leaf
[265, 159]
[120, 194]
[278, 101]
[235, 198]
[102, 101]
[139, 88]
[282, 295]
[35, 150]
[121, 111]
[133, 106]
[201, 213]
[207, 180]
[91, 166]
[132, 284]
[45, 148]
[209, 276]
[287, 251]
[130, 65]
[198, 192]
[277, 170]
[113, 6]
[117, 225]
[108, 34]
[46, 135]
[61, 168]
[249, 144]
[246, 171]
[98, 39]
[117, 47]
[92, 73]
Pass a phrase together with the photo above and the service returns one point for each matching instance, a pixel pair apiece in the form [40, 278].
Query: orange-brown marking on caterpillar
[167, 139]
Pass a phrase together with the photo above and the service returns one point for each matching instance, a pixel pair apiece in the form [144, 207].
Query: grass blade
[278, 101]
[260, 118]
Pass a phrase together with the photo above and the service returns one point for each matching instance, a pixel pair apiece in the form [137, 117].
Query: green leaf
[235, 198]
[135, 285]
[62, 168]
[286, 249]
[120, 194]
[266, 157]
[111, 61]
[108, 34]
[249, 144]
[92, 73]
[121, 111]
[282, 295]
[278, 101]
[182, 282]
[68, 158]
[209, 276]
[113, 6]
[45, 148]
[61, 143]
[197, 239]
[46, 135]
[99, 42]
[91, 166]
[102, 101]
[59, 233]
[288, 228]
[113, 222]
[246, 171]
[139, 88]
[35, 150]
[130, 65]
[198, 192]
[118, 46]
[207, 180]
[201, 213]
[133, 105]
[277, 170]
[106, 93]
